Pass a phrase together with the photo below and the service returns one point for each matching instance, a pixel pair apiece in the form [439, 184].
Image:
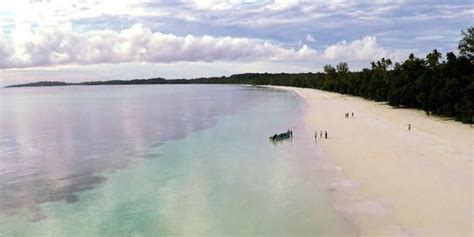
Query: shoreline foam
[403, 183]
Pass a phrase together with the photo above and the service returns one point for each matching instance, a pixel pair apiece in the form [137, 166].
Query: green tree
[381, 65]
[329, 69]
[342, 67]
[466, 44]
[433, 59]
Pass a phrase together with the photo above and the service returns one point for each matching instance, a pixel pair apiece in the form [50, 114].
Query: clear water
[182, 160]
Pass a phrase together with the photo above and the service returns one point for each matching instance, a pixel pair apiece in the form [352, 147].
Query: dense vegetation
[441, 86]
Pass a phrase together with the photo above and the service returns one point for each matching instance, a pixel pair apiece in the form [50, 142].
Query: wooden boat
[282, 136]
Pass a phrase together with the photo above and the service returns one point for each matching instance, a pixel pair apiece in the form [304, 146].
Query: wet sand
[394, 181]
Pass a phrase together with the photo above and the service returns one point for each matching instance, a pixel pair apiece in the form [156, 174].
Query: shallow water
[159, 160]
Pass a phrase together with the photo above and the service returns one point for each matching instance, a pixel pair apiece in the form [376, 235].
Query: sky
[86, 40]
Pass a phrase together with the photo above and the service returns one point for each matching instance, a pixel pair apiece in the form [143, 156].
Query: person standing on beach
[325, 134]
[353, 114]
[321, 134]
[409, 127]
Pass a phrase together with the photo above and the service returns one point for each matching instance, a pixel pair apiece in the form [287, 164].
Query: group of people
[347, 115]
[321, 134]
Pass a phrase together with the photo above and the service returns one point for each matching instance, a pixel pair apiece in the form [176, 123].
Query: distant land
[93, 83]
[245, 78]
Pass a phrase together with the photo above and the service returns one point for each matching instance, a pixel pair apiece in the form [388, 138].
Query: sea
[161, 160]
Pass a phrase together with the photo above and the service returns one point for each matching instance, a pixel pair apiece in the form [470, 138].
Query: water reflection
[55, 142]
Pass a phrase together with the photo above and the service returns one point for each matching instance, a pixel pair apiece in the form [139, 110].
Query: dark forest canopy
[438, 85]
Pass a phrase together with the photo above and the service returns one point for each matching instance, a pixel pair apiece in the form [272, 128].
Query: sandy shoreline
[399, 182]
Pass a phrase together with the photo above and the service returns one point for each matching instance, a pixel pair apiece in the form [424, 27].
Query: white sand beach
[396, 182]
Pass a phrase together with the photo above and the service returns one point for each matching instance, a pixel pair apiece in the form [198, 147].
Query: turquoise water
[160, 160]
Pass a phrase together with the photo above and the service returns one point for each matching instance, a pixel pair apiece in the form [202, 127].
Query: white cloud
[61, 11]
[213, 4]
[281, 5]
[58, 45]
[430, 37]
[5, 50]
[49, 45]
[364, 49]
[310, 38]
[52, 45]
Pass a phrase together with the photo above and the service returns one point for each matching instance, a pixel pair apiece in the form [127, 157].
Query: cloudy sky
[77, 40]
